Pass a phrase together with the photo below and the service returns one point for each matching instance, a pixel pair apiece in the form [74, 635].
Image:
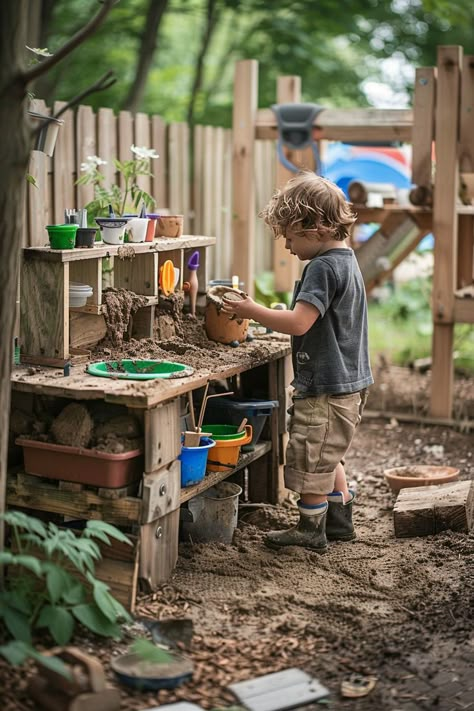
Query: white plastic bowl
[79, 293]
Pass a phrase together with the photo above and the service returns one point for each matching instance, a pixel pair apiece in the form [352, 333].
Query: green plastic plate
[139, 369]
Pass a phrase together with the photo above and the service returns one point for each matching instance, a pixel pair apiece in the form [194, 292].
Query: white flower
[40, 52]
[144, 152]
[92, 163]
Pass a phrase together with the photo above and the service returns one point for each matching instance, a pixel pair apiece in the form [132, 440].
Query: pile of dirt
[119, 307]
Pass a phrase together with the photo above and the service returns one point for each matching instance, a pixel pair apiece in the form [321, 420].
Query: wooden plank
[464, 307]
[86, 329]
[38, 212]
[142, 132]
[285, 266]
[139, 274]
[77, 504]
[158, 550]
[208, 184]
[64, 166]
[160, 492]
[86, 145]
[178, 170]
[198, 193]
[265, 181]
[159, 167]
[466, 134]
[225, 263]
[349, 124]
[143, 322]
[162, 435]
[44, 309]
[212, 478]
[243, 176]
[465, 275]
[124, 140]
[445, 227]
[427, 510]
[423, 126]
[107, 144]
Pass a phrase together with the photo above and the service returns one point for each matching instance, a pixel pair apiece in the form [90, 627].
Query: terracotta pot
[419, 475]
[169, 226]
[220, 326]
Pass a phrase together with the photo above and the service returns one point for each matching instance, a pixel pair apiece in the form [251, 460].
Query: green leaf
[21, 520]
[57, 582]
[100, 535]
[6, 558]
[94, 620]
[31, 180]
[110, 607]
[75, 595]
[109, 530]
[54, 663]
[30, 563]
[15, 652]
[149, 652]
[59, 622]
[17, 624]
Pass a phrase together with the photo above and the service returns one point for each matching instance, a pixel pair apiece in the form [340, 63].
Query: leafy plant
[55, 587]
[265, 291]
[122, 200]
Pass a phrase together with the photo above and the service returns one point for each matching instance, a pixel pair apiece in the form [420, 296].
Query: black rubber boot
[339, 526]
[309, 532]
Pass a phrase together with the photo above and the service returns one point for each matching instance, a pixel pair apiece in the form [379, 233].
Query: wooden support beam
[158, 550]
[427, 510]
[445, 227]
[285, 266]
[243, 176]
[348, 124]
[466, 133]
[423, 127]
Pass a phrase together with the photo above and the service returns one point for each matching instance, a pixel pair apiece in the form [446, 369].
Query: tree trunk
[156, 9]
[14, 155]
[211, 22]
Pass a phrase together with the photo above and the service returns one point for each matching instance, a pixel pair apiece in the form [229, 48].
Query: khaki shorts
[321, 431]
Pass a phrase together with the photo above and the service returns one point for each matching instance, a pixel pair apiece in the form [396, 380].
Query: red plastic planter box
[83, 466]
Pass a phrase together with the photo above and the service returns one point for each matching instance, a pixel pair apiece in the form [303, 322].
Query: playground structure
[441, 131]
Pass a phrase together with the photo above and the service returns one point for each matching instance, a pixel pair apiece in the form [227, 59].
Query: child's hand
[238, 304]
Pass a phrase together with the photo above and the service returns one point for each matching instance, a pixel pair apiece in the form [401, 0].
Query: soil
[400, 610]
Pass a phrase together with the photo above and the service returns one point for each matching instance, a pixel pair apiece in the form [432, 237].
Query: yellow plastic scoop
[167, 277]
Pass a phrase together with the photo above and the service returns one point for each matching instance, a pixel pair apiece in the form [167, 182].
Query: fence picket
[64, 166]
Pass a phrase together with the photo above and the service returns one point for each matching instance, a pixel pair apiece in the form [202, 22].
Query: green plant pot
[225, 432]
[62, 236]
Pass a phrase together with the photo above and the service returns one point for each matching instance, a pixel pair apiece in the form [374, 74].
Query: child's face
[302, 246]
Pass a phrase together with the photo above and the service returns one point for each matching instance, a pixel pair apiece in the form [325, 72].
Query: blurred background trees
[176, 57]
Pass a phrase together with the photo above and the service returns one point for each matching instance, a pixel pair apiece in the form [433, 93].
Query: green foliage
[122, 201]
[149, 652]
[52, 584]
[265, 293]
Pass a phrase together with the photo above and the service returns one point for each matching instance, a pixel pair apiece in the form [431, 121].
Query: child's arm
[295, 322]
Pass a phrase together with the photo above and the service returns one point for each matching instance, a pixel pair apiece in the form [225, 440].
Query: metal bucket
[214, 514]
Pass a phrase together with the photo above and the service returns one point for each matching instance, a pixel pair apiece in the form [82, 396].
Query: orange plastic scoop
[167, 277]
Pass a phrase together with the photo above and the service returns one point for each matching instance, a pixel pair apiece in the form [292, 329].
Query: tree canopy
[176, 57]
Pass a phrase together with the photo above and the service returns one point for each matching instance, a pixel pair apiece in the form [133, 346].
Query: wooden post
[466, 158]
[285, 266]
[445, 227]
[423, 134]
[243, 201]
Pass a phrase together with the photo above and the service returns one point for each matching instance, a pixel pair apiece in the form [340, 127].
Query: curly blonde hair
[311, 205]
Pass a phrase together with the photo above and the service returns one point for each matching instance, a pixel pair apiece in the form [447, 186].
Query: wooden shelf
[161, 244]
[213, 478]
[464, 305]
[98, 309]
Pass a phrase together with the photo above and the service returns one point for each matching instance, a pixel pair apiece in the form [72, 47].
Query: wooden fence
[200, 189]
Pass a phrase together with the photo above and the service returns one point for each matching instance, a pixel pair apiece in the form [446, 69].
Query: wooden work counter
[153, 514]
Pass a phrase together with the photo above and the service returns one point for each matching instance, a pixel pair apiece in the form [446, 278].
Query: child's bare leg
[341, 482]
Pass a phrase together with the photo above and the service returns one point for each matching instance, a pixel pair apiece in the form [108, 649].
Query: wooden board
[44, 310]
[88, 272]
[426, 510]
[139, 274]
[162, 435]
[158, 550]
[423, 126]
[86, 329]
[43, 496]
[160, 492]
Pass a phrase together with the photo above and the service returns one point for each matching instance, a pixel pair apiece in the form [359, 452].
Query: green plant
[265, 293]
[119, 198]
[54, 586]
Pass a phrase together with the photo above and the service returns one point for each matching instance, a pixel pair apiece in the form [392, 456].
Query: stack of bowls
[79, 293]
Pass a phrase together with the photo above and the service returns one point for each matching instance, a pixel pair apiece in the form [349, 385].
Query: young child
[328, 325]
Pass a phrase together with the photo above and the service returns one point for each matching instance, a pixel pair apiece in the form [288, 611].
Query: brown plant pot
[218, 325]
[83, 466]
[419, 475]
[169, 226]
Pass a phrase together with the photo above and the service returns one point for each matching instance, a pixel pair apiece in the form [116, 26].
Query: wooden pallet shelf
[213, 478]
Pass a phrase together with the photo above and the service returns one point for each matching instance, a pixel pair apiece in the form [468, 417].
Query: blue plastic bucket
[194, 460]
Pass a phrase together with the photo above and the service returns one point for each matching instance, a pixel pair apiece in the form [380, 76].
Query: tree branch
[103, 83]
[39, 69]
[210, 25]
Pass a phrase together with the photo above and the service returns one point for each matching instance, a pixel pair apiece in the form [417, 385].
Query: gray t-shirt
[333, 356]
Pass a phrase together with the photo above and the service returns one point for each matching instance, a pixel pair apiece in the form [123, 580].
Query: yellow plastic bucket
[225, 454]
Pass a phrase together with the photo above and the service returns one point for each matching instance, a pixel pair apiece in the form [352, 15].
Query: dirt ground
[400, 610]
